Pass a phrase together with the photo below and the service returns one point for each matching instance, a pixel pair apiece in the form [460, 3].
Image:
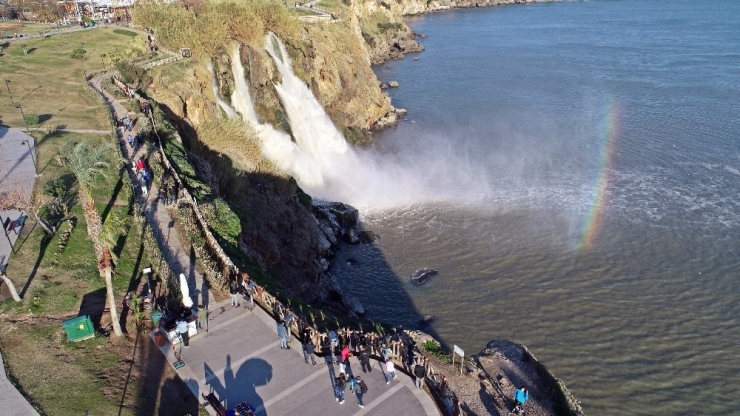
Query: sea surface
[596, 211]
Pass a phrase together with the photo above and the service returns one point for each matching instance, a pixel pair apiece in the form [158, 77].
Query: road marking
[225, 323]
[380, 399]
[289, 391]
[239, 362]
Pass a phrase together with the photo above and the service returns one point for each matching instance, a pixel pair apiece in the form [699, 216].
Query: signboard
[458, 351]
[178, 364]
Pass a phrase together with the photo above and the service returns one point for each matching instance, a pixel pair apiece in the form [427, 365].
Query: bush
[386, 5]
[385, 27]
[55, 187]
[31, 119]
[434, 349]
[133, 75]
[58, 208]
[224, 223]
[78, 53]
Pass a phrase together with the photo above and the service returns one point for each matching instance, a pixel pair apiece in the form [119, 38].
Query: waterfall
[230, 113]
[361, 179]
[320, 159]
[240, 97]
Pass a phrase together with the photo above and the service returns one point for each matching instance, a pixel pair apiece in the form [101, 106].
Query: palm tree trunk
[94, 229]
[112, 302]
[11, 286]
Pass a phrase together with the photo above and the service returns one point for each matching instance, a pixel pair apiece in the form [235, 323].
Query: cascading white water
[230, 113]
[357, 178]
[320, 159]
[240, 97]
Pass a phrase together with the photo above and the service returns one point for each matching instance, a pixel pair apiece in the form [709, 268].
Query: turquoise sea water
[601, 145]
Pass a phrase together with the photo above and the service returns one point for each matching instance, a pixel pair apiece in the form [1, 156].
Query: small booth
[170, 328]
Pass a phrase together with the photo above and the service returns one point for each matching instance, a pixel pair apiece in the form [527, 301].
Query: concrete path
[12, 402]
[83, 131]
[178, 256]
[17, 176]
[239, 358]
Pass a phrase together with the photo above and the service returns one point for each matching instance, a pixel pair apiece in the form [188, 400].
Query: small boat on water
[422, 275]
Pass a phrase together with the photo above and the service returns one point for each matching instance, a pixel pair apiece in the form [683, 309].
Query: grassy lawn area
[58, 281]
[49, 82]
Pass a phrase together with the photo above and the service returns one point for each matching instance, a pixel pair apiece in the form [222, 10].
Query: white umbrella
[186, 301]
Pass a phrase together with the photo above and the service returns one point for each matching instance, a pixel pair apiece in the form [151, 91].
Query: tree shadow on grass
[45, 241]
[93, 304]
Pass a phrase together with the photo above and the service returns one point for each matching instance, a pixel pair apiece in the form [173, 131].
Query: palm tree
[87, 162]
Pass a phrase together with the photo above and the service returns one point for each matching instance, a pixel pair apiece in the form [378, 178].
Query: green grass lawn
[59, 282]
[49, 83]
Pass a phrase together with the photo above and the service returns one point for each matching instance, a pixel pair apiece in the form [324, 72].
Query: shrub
[224, 223]
[78, 53]
[55, 187]
[31, 119]
[433, 348]
[386, 5]
[385, 27]
[133, 75]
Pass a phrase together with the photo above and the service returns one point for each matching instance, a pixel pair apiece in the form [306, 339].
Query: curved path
[239, 358]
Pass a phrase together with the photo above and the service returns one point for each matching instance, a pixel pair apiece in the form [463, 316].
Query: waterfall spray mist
[320, 159]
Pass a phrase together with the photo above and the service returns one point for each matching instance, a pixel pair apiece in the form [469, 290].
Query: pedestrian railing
[398, 342]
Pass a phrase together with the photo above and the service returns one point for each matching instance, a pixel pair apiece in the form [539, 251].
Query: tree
[88, 162]
[16, 199]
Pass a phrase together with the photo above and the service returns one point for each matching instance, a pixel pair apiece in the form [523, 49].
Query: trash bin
[159, 338]
[79, 328]
[156, 317]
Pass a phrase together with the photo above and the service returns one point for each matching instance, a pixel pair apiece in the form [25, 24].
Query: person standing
[234, 292]
[419, 373]
[308, 351]
[182, 329]
[390, 371]
[202, 317]
[521, 395]
[345, 353]
[282, 333]
[248, 285]
[365, 360]
[334, 345]
[385, 352]
[130, 141]
[339, 386]
[360, 388]
[289, 317]
[353, 341]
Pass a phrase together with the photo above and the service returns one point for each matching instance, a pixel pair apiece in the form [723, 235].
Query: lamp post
[7, 84]
[31, 152]
[18, 106]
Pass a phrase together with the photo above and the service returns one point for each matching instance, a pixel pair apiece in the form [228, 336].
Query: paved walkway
[157, 214]
[239, 358]
[12, 402]
[17, 175]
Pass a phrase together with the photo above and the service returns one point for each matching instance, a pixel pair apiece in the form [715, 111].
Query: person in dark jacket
[365, 360]
[308, 351]
[234, 292]
[419, 373]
